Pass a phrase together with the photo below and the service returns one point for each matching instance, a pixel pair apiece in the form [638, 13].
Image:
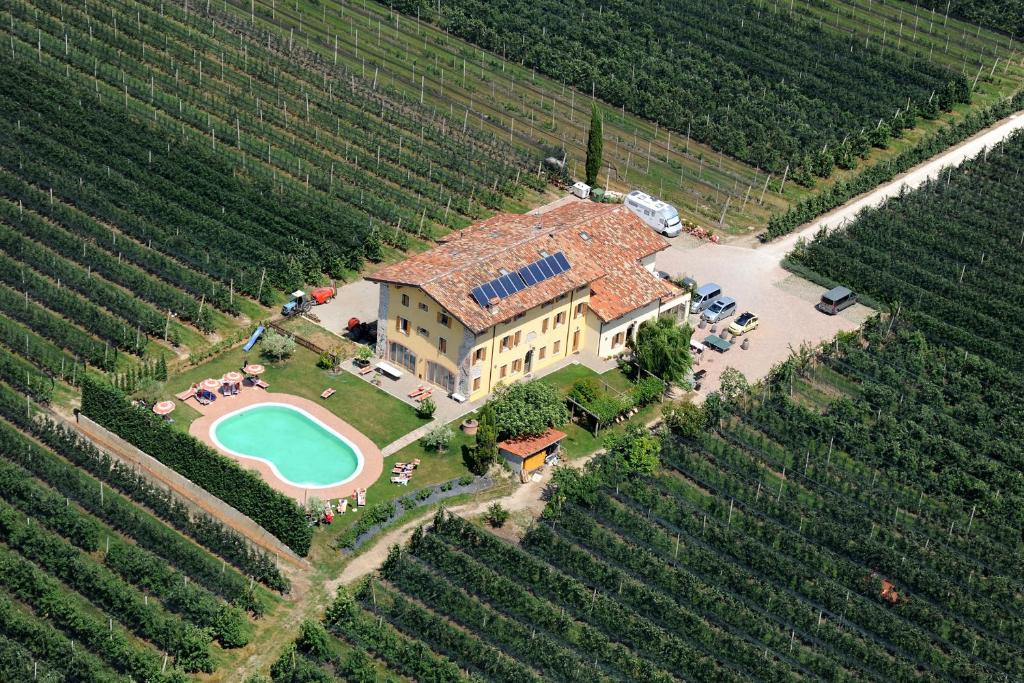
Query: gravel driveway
[357, 299]
[783, 302]
[750, 272]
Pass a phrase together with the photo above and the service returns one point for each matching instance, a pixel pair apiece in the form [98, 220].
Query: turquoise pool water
[300, 449]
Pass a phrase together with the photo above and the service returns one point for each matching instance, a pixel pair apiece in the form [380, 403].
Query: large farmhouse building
[507, 296]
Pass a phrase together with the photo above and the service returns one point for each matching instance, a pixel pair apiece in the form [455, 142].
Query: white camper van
[660, 216]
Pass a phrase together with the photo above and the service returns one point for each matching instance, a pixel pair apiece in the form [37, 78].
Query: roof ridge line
[525, 240]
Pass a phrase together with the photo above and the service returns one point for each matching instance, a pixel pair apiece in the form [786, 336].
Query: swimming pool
[300, 449]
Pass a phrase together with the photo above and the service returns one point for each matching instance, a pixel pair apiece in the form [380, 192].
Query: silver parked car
[721, 309]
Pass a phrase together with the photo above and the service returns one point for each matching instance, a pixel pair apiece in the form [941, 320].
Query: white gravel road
[750, 272]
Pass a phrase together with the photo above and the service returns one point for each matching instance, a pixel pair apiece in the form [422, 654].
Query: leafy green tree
[685, 419]
[438, 438]
[314, 507]
[277, 346]
[732, 384]
[527, 409]
[161, 369]
[313, 641]
[662, 348]
[293, 668]
[373, 246]
[427, 408]
[230, 626]
[802, 172]
[497, 515]
[364, 354]
[485, 452]
[647, 390]
[342, 609]
[149, 390]
[823, 163]
[595, 146]
[358, 668]
[635, 450]
[192, 652]
[584, 391]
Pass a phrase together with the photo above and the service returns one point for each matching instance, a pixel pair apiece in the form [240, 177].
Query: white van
[705, 296]
[660, 216]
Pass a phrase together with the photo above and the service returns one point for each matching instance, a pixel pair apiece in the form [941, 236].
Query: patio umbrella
[163, 407]
[211, 384]
[254, 369]
[233, 377]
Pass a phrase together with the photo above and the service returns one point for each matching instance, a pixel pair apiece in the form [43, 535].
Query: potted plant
[364, 355]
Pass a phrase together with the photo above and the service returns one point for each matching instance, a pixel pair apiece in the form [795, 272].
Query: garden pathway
[528, 497]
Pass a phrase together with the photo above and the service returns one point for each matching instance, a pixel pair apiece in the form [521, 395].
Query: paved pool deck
[373, 460]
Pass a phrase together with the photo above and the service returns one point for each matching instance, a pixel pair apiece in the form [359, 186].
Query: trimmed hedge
[221, 476]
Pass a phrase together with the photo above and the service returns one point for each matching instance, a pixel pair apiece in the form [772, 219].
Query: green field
[96, 556]
[516, 103]
[173, 177]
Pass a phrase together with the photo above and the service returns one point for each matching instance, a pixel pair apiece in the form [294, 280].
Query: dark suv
[835, 300]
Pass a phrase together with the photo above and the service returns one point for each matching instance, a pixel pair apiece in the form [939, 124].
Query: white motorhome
[660, 216]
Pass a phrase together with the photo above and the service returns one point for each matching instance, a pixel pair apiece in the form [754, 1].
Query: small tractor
[302, 303]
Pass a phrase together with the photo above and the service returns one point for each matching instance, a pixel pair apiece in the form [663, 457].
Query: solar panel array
[527, 276]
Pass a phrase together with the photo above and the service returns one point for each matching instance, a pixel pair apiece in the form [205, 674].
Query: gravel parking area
[357, 299]
[783, 302]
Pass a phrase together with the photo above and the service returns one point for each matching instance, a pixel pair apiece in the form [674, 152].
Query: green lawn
[381, 417]
[579, 442]
[435, 468]
[564, 378]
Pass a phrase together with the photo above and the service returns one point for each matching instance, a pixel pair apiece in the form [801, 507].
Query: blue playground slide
[255, 336]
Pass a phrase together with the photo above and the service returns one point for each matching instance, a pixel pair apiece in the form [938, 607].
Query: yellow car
[743, 324]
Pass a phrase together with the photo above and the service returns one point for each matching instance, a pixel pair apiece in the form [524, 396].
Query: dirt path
[915, 177]
[527, 498]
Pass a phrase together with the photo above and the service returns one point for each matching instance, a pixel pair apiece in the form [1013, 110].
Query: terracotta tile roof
[626, 287]
[616, 240]
[526, 446]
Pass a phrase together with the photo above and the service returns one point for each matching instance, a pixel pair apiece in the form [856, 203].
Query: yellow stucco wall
[407, 303]
[532, 337]
[499, 365]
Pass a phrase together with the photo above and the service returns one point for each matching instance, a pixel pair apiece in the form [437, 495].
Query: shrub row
[874, 175]
[243, 490]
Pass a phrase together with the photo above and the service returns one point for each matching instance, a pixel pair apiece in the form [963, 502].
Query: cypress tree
[595, 146]
[485, 451]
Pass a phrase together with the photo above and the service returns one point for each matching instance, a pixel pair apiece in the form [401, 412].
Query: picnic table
[717, 343]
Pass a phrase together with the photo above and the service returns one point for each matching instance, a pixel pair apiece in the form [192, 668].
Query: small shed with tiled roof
[527, 453]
